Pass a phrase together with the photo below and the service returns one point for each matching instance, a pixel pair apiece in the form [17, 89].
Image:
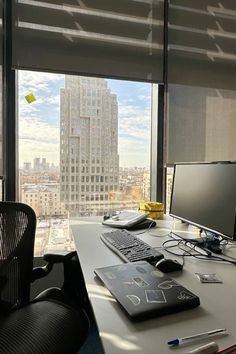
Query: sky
[39, 121]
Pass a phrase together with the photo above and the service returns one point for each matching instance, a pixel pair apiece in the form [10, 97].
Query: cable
[145, 230]
[151, 234]
[199, 255]
[191, 251]
[162, 235]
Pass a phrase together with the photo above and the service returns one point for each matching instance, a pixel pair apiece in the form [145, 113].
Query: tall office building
[89, 158]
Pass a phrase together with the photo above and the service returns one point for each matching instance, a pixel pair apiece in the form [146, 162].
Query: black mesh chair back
[17, 231]
[52, 322]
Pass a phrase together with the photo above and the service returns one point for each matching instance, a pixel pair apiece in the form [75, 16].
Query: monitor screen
[204, 194]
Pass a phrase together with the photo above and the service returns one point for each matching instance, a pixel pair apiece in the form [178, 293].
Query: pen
[210, 348]
[178, 341]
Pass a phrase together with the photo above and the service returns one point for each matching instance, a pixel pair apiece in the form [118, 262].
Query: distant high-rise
[27, 166]
[37, 163]
[40, 166]
[89, 159]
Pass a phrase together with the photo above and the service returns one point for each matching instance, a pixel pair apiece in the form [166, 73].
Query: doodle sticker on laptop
[134, 299]
[157, 274]
[110, 275]
[156, 296]
[167, 284]
[121, 268]
[184, 295]
[140, 282]
[129, 283]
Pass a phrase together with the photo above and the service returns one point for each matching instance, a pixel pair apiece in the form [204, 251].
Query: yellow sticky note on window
[30, 98]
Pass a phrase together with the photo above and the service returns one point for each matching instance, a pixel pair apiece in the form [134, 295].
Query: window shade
[202, 43]
[201, 124]
[110, 38]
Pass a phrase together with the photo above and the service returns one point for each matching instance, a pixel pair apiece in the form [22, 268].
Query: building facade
[44, 199]
[89, 159]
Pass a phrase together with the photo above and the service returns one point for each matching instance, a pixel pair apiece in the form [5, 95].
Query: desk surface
[118, 333]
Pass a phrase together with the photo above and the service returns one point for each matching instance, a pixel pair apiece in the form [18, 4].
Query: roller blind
[201, 124]
[109, 38]
[202, 43]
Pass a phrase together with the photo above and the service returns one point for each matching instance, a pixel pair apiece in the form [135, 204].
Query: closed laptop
[144, 292]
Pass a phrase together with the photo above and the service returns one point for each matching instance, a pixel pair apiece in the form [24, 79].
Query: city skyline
[39, 122]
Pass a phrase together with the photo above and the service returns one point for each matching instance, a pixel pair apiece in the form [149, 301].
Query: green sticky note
[30, 98]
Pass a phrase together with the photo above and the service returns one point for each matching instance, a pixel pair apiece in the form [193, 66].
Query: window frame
[10, 119]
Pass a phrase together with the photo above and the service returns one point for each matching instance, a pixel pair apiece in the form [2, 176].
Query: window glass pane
[84, 149]
[169, 181]
[201, 124]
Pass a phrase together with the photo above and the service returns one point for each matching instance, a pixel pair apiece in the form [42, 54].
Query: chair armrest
[51, 259]
[73, 284]
[58, 258]
[41, 272]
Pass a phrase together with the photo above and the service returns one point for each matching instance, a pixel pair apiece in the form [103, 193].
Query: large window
[84, 149]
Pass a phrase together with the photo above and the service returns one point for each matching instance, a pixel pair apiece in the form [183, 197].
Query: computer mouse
[168, 265]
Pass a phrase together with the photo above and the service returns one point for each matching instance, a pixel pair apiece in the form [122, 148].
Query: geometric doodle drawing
[129, 283]
[110, 275]
[121, 268]
[141, 270]
[157, 296]
[157, 274]
[184, 295]
[134, 299]
[168, 284]
[140, 282]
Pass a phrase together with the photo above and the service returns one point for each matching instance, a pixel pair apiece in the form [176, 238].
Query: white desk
[118, 333]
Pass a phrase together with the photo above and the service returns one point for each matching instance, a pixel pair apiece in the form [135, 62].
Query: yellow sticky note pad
[30, 98]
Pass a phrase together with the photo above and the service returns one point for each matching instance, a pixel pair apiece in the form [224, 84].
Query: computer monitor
[204, 194]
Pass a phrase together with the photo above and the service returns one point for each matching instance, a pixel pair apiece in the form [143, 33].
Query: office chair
[54, 322]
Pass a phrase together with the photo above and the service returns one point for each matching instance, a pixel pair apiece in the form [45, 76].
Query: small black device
[204, 194]
[129, 247]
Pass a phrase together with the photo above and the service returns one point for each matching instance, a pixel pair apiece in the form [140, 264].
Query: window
[49, 154]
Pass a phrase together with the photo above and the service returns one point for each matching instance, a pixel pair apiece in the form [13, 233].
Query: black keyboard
[130, 248]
